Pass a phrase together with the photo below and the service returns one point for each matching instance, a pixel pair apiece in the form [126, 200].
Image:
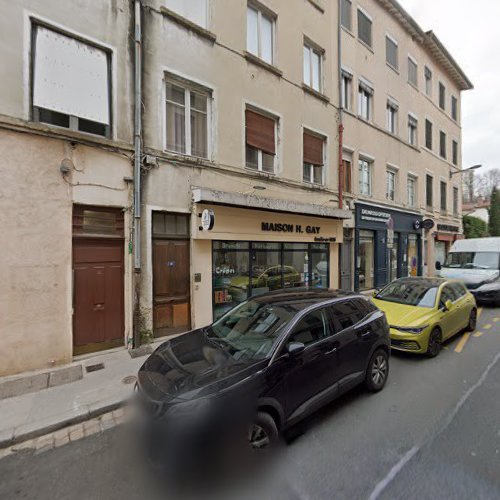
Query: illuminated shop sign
[289, 228]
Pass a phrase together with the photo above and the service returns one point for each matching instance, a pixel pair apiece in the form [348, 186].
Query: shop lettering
[374, 215]
[289, 228]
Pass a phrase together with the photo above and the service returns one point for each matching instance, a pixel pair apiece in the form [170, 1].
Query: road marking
[478, 334]
[462, 342]
[496, 320]
[488, 326]
[398, 467]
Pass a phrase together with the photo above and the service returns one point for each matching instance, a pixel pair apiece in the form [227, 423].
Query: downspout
[341, 123]
[137, 168]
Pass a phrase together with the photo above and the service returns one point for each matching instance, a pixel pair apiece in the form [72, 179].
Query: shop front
[388, 245]
[251, 252]
[444, 236]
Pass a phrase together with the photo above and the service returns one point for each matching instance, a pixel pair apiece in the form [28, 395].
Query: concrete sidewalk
[38, 413]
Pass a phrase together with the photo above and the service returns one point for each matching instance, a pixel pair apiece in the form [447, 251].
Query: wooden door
[98, 295]
[171, 287]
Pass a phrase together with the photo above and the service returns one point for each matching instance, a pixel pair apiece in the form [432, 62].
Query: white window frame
[313, 49]
[272, 17]
[365, 165]
[412, 181]
[346, 97]
[393, 40]
[324, 138]
[412, 129]
[414, 61]
[391, 115]
[189, 87]
[365, 92]
[428, 81]
[391, 173]
[348, 28]
[363, 11]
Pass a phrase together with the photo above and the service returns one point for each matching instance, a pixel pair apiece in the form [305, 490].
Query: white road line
[382, 485]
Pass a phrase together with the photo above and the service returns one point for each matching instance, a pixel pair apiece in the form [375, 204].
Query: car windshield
[410, 293]
[473, 260]
[251, 328]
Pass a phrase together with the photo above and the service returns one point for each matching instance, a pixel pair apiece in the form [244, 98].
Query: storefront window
[393, 258]
[412, 255]
[366, 259]
[245, 269]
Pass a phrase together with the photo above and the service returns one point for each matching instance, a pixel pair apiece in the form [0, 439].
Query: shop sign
[289, 228]
[207, 219]
[428, 224]
[375, 215]
[446, 227]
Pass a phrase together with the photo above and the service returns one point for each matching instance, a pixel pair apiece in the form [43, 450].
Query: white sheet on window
[70, 77]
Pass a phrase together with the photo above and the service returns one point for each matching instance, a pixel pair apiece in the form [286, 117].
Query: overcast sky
[471, 33]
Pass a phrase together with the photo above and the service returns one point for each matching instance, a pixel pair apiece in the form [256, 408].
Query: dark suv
[281, 356]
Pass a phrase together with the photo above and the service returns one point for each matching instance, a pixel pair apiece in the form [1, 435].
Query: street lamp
[474, 167]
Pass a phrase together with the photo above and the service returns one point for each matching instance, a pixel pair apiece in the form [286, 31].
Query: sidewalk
[35, 414]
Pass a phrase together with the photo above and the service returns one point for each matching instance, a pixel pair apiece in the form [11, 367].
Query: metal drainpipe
[137, 168]
[341, 124]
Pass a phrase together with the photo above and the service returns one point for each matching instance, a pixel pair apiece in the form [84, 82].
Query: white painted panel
[194, 10]
[70, 77]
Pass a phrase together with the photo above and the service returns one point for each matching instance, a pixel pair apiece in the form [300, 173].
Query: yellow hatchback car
[424, 312]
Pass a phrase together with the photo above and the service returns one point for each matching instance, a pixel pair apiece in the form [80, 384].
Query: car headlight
[410, 329]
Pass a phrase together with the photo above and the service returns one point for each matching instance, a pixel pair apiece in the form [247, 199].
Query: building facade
[277, 147]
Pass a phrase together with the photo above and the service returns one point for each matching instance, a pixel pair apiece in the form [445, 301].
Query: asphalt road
[433, 433]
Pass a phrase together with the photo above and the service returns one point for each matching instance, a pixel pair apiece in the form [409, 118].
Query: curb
[5, 443]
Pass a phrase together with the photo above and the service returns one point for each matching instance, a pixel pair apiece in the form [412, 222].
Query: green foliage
[494, 213]
[474, 227]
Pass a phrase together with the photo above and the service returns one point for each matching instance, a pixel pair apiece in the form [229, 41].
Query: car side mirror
[375, 293]
[448, 305]
[294, 348]
[438, 265]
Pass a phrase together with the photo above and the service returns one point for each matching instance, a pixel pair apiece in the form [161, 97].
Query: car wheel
[377, 372]
[472, 320]
[263, 433]
[434, 347]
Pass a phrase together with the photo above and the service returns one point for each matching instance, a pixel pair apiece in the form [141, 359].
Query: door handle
[365, 333]
[331, 351]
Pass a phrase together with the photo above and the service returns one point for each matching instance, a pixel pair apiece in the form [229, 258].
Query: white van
[477, 263]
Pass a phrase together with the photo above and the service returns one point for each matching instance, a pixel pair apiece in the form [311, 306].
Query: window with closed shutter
[391, 52]
[412, 72]
[346, 14]
[313, 158]
[364, 28]
[260, 141]
[428, 134]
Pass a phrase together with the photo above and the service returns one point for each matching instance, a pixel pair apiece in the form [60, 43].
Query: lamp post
[474, 167]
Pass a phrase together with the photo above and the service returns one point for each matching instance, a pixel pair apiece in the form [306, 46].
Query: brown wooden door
[98, 296]
[171, 290]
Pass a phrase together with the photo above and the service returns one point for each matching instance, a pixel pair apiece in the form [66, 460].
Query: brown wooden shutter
[313, 149]
[260, 132]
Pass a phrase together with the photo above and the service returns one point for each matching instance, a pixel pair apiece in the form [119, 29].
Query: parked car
[477, 263]
[284, 354]
[424, 312]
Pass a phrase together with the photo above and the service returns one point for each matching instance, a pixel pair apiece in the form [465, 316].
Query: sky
[470, 31]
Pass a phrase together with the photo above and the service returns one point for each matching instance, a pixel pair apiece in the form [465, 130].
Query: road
[433, 433]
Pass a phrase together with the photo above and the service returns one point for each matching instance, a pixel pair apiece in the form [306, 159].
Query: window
[365, 98]
[347, 171]
[364, 28]
[365, 177]
[428, 134]
[260, 34]
[392, 117]
[428, 191]
[455, 201]
[366, 259]
[313, 158]
[412, 72]
[347, 313]
[169, 225]
[391, 52]
[442, 144]
[312, 68]
[412, 130]
[71, 84]
[428, 81]
[194, 10]
[443, 187]
[260, 141]
[311, 328]
[390, 192]
[346, 91]
[187, 109]
[454, 155]
[346, 14]
[454, 108]
[412, 191]
[442, 96]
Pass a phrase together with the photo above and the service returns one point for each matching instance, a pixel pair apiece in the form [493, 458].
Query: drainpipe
[341, 125]
[137, 169]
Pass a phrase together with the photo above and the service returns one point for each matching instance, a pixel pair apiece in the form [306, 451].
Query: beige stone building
[240, 143]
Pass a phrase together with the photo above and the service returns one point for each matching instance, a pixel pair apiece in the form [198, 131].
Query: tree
[474, 227]
[480, 185]
[494, 213]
